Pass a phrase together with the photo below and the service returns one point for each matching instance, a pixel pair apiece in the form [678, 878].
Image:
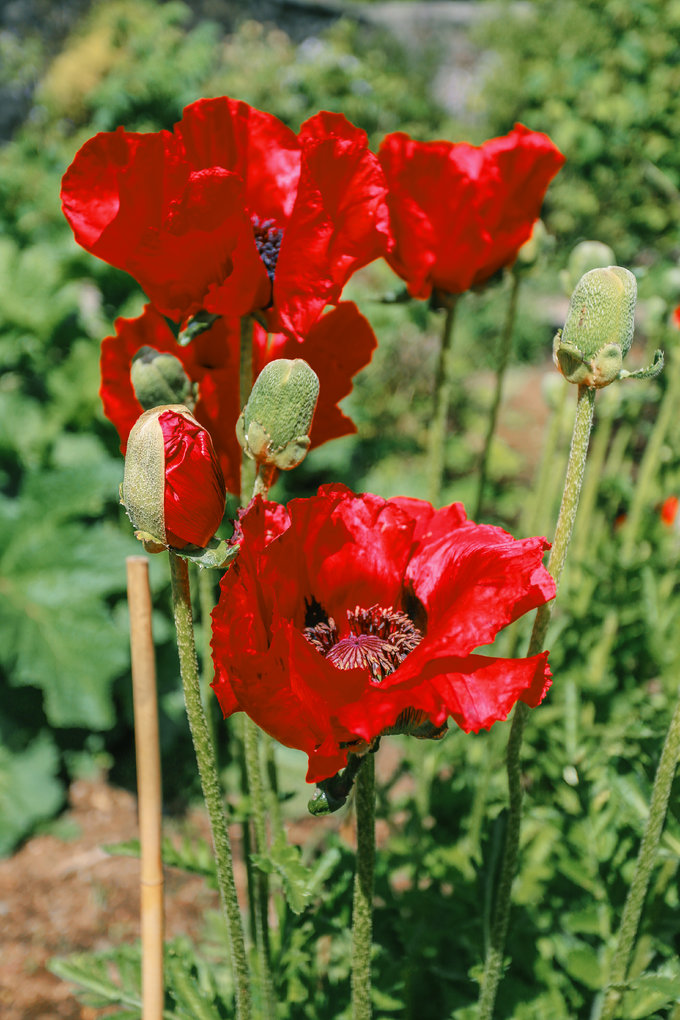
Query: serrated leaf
[283, 859]
[193, 856]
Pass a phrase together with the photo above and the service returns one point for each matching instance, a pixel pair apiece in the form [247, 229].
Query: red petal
[255, 145]
[475, 583]
[194, 487]
[459, 212]
[354, 548]
[133, 200]
[339, 222]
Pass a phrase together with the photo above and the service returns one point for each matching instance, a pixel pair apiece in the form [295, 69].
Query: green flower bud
[585, 256]
[159, 378]
[274, 425]
[598, 330]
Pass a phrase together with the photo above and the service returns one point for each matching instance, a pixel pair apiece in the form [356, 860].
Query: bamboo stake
[148, 785]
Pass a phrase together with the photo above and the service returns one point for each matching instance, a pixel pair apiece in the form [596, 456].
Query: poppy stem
[632, 911]
[503, 358]
[493, 967]
[441, 403]
[248, 466]
[251, 740]
[207, 768]
[362, 911]
[258, 881]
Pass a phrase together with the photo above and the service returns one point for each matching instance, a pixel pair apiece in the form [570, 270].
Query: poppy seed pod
[159, 378]
[598, 330]
[173, 489]
[274, 425]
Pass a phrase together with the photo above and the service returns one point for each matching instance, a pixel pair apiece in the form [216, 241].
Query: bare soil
[59, 896]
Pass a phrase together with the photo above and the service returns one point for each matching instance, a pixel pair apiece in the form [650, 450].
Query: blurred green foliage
[602, 78]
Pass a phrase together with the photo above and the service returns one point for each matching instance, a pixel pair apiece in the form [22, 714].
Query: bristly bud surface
[274, 426]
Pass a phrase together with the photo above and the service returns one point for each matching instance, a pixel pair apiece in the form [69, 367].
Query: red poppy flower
[338, 346]
[459, 212]
[669, 510]
[347, 616]
[173, 489]
[232, 212]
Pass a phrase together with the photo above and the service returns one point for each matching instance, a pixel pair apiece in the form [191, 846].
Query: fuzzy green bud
[585, 256]
[598, 330]
[159, 378]
[274, 425]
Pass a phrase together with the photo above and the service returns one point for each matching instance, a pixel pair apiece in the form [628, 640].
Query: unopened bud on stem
[274, 426]
[598, 330]
[159, 378]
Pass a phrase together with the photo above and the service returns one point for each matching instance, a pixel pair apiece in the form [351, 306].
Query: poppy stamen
[268, 243]
[378, 639]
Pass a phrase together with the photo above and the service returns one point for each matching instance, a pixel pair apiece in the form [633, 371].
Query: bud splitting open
[173, 489]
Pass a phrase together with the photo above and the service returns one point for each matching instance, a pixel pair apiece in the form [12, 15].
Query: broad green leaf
[56, 631]
[29, 789]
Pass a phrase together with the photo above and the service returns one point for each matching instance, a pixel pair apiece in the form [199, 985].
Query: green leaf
[56, 631]
[217, 553]
[649, 993]
[283, 859]
[29, 789]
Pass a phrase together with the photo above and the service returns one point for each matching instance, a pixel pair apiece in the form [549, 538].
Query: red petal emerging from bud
[194, 486]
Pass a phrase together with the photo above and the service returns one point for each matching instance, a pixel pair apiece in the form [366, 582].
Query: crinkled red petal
[134, 201]
[339, 222]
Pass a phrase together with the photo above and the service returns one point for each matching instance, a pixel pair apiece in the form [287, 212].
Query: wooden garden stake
[148, 785]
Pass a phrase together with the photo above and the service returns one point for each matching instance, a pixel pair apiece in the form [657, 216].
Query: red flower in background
[459, 212]
[669, 510]
[347, 616]
[337, 347]
[232, 212]
[173, 489]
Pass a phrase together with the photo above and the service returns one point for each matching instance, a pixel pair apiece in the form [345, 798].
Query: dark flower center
[268, 243]
[378, 640]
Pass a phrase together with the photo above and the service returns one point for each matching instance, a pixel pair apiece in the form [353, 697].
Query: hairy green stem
[205, 758]
[362, 911]
[255, 787]
[651, 458]
[441, 403]
[248, 466]
[565, 522]
[591, 486]
[632, 911]
[503, 358]
[206, 601]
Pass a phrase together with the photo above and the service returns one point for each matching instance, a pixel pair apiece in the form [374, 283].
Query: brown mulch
[59, 896]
